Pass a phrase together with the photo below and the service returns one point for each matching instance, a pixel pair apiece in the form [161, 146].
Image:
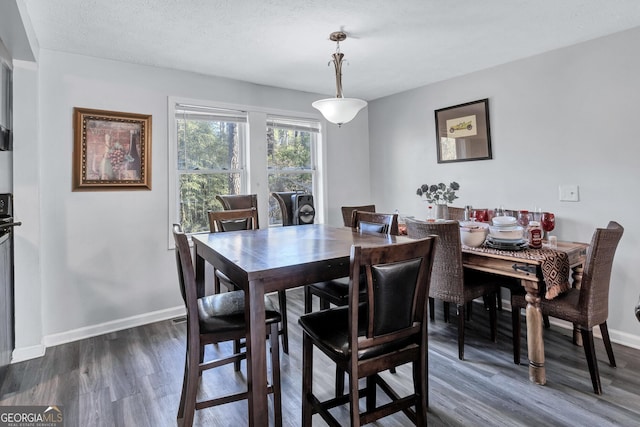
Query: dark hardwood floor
[133, 378]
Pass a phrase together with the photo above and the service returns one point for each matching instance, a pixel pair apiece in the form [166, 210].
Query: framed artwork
[463, 133]
[112, 150]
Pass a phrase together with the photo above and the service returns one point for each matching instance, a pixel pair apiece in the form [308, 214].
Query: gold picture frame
[463, 132]
[112, 150]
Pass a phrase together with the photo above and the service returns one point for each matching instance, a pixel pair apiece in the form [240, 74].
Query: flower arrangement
[439, 194]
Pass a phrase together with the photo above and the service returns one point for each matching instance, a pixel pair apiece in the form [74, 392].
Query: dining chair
[284, 201]
[337, 291]
[450, 281]
[230, 220]
[366, 339]
[348, 210]
[236, 220]
[214, 319]
[239, 201]
[456, 214]
[585, 307]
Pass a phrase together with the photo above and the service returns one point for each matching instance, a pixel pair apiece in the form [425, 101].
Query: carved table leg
[577, 280]
[535, 343]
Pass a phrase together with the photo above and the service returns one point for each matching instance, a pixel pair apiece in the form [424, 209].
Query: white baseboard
[27, 353]
[33, 352]
[112, 326]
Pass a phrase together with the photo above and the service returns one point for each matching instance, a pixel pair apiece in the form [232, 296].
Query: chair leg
[461, 322]
[371, 393]
[354, 400]
[237, 347]
[545, 320]
[445, 306]
[604, 331]
[275, 375]
[590, 354]
[324, 304]
[339, 382]
[493, 318]
[499, 299]
[307, 380]
[190, 389]
[515, 333]
[282, 301]
[469, 310]
[420, 387]
[216, 283]
[432, 309]
[308, 300]
[183, 394]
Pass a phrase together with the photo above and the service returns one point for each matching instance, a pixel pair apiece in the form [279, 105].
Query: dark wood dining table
[273, 259]
[528, 269]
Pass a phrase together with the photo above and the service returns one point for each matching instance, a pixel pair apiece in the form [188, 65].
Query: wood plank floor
[133, 378]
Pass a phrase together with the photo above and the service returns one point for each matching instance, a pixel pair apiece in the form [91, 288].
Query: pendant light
[339, 110]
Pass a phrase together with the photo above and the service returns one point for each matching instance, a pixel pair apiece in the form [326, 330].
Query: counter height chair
[450, 281]
[284, 201]
[243, 219]
[337, 291]
[214, 319]
[239, 201]
[347, 211]
[366, 339]
[586, 307]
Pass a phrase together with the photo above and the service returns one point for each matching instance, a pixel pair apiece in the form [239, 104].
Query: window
[217, 148]
[291, 162]
[210, 161]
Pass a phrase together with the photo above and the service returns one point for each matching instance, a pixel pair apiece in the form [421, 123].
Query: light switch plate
[569, 193]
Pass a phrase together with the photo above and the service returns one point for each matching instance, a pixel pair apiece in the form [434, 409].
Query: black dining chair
[236, 220]
[585, 307]
[347, 212]
[366, 339]
[215, 319]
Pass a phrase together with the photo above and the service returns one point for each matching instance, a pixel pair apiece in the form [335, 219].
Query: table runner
[554, 263]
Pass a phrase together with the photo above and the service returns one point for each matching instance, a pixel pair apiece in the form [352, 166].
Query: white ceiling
[392, 46]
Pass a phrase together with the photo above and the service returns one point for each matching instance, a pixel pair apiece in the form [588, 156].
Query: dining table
[273, 259]
[544, 274]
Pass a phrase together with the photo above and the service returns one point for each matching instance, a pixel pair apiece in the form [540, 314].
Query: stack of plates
[505, 244]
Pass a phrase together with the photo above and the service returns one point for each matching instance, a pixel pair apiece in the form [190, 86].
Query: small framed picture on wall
[463, 133]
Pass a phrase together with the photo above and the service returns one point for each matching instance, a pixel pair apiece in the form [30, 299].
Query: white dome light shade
[339, 110]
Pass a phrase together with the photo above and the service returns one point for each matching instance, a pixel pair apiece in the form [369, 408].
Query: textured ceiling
[392, 46]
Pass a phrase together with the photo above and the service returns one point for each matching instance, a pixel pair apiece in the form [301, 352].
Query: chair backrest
[374, 222]
[397, 285]
[348, 210]
[447, 278]
[284, 201]
[239, 201]
[186, 278]
[233, 220]
[596, 277]
[456, 214]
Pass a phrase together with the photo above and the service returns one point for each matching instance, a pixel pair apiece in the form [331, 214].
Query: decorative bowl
[473, 234]
[504, 221]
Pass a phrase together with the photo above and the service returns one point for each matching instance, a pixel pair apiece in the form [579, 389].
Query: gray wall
[563, 117]
[100, 259]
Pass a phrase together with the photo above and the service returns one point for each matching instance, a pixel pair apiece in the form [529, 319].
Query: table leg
[577, 281]
[535, 343]
[199, 276]
[256, 355]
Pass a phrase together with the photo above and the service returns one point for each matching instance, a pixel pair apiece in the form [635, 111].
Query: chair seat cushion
[564, 306]
[329, 329]
[337, 291]
[225, 312]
